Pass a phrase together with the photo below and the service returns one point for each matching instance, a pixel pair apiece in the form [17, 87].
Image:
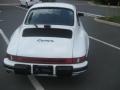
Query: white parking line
[36, 84]
[105, 43]
[4, 36]
[32, 79]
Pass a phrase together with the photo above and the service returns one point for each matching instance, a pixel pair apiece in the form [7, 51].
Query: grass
[105, 2]
[115, 19]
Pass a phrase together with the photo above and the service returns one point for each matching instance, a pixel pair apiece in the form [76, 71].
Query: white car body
[49, 48]
[28, 3]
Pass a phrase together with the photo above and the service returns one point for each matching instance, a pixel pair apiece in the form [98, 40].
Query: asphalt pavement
[9, 1]
[104, 64]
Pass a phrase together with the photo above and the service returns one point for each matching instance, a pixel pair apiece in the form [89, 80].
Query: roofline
[54, 4]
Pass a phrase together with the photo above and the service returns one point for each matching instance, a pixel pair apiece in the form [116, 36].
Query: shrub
[111, 2]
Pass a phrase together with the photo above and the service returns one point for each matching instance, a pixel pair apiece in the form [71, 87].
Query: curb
[106, 22]
[90, 14]
[93, 4]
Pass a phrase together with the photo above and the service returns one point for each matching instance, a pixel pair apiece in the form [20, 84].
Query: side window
[78, 20]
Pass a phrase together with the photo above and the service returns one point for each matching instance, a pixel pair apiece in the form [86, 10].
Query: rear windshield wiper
[45, 26]
[36, 26]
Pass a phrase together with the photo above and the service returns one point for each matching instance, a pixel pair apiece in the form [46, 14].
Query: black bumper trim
[19, 69]
[80, 69]
[22, 69]
[42, 69]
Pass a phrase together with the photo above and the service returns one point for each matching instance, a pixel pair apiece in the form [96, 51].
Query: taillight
[78, 60]
[68, 61]
[47, 60]
[81, 59]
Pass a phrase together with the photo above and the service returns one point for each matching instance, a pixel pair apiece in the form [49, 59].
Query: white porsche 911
[50, 42]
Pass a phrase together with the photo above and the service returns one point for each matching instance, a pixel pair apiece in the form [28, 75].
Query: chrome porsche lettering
[41, 40]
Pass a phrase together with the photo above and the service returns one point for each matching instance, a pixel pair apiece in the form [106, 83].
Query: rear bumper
[45, 69]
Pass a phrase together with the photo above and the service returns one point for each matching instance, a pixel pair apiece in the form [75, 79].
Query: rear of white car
[50, 42]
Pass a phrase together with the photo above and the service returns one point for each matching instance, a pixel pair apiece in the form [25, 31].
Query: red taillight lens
[47, 60]
[81, 59]
[78, 60]
[68, 61]
[17, 58]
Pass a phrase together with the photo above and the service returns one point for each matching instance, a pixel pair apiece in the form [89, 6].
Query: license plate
[42, 69]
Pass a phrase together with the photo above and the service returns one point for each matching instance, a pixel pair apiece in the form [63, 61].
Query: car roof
[54, 4]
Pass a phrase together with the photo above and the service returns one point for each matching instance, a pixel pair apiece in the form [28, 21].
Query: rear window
[47, 32]
[51, 16]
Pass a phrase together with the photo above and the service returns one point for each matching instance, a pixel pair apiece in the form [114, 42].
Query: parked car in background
[50, 42]
[28, 3]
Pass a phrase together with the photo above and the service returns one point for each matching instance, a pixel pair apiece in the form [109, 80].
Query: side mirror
[80, 14]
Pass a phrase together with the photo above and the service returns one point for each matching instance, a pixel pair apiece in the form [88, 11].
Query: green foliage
[115, 19]
[108, 2]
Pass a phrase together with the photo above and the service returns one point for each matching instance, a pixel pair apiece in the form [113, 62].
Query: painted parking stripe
[4, 36]
[36, 84]
[32, 79]
[105, 43]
